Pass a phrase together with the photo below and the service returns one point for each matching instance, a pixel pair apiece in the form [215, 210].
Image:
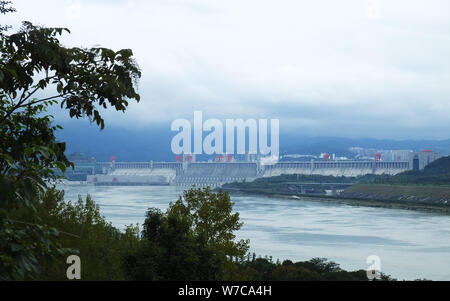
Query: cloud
[319, 66]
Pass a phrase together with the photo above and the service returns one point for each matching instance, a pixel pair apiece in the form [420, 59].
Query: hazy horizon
[375, 69]
[154, 143]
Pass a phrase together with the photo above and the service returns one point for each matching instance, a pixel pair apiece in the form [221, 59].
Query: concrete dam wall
[215, 174]
[337, 169]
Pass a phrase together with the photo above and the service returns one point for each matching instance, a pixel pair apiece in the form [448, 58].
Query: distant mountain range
[154, 143]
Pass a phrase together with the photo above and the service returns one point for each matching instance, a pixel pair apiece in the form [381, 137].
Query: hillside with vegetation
[436, 173]
[427, 187]
[277, 185]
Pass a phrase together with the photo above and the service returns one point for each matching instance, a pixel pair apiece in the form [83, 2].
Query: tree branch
[48, 98]
[23, 99]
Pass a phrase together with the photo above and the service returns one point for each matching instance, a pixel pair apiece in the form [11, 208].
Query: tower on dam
[422, 159]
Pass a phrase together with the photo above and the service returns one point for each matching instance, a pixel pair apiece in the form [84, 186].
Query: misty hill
[127, 145]
[338, 145]
[436, 173]
[438, 167]
[153, 143]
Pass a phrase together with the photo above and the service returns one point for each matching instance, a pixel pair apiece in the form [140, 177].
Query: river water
[410, 244]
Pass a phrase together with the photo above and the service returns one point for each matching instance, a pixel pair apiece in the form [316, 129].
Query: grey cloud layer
[322, 67]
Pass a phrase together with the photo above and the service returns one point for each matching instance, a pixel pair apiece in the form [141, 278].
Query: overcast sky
[355, 68]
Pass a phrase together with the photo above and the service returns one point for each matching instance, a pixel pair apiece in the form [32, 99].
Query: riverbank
[351, 201]
[288, 228]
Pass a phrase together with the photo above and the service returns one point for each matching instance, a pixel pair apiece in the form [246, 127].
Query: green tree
[211, 216]
[100, 246]
[81, 227]
[316, 269]
[171, 251]
[34, 63]
[193, 240]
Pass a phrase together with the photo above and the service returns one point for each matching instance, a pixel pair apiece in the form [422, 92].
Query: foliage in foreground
[33, 65]
[100, 246]
[193, 240]
[178, 244]
[316, 269]
[82, 231]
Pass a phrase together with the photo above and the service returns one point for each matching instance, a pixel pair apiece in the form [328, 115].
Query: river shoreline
[358, 202]
[346, 200]
[288, 228]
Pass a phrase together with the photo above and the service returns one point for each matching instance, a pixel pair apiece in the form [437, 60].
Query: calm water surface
[411, 244]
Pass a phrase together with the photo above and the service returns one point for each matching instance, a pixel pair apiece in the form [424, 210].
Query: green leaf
[61, 166]
[6, 187]
[16, 247]
[13, 72]
[28, 190]
[9, 160]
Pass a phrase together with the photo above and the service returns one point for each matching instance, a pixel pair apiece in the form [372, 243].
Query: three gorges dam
[187, 172]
